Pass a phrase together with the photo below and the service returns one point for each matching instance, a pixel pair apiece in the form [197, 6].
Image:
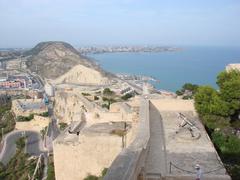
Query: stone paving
[182, 149]
[156, 159]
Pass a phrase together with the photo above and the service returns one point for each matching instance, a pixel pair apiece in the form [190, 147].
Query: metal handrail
[191, 172]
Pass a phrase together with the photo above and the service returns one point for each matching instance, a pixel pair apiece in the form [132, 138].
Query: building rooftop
[233, 67]
[3, 76]
[25, 107]
[186, 141]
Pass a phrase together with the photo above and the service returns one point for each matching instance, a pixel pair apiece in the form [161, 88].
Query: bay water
[198, 65]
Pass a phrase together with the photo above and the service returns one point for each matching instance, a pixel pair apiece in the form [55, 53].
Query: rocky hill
[51, 60]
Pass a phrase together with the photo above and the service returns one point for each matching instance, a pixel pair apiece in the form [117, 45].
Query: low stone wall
[129, 163]
[113, 116]
[191, 177]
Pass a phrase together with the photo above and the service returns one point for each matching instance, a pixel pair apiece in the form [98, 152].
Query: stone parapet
[129, 163]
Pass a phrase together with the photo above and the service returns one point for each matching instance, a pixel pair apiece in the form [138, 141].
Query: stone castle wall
[73, 110]
[67, 106]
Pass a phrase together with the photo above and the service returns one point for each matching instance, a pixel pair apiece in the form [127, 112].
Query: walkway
[156, 159]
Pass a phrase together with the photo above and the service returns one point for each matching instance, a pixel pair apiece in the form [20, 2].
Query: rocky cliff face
[53, 59]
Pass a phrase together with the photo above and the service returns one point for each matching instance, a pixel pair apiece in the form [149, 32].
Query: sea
[197, 65]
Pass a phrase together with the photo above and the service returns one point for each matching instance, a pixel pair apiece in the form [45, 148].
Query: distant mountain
[55, 58]
[45, 46]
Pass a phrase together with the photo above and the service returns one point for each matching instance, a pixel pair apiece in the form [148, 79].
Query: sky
[24, 23]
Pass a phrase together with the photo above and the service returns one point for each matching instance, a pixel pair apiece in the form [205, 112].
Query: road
[37, 78]
[33, 146]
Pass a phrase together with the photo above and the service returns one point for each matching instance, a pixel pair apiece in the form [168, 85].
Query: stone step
[153, 176]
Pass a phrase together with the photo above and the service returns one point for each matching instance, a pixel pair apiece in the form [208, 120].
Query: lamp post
[2, 133]
[24, 135]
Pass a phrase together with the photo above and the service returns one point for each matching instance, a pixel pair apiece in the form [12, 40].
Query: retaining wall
[129, 163]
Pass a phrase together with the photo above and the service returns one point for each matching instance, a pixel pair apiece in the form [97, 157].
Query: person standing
[198, 172]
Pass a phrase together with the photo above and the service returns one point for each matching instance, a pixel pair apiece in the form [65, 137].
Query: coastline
[173, 69]
[127, 49]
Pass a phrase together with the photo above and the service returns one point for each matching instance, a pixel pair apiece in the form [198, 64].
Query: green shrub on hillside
[63, 125]
[86, 94]
[127, 96]
[96, 98]
[108, 92]
[45, 114]
[107, 106]
[50, 172]
[21, 143]
[25, 118]
[92, 177]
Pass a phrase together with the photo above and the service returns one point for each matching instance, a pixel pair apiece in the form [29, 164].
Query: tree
[215, 121]
[91, 177]
[217, 106]
[188, 90]
[208, 101]
[230, 92]
[179, 92]
[108, 92]
[203, 98]
[190, 87]
[227, 76]
[20, 143]
[229, 84]
[228, 144]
